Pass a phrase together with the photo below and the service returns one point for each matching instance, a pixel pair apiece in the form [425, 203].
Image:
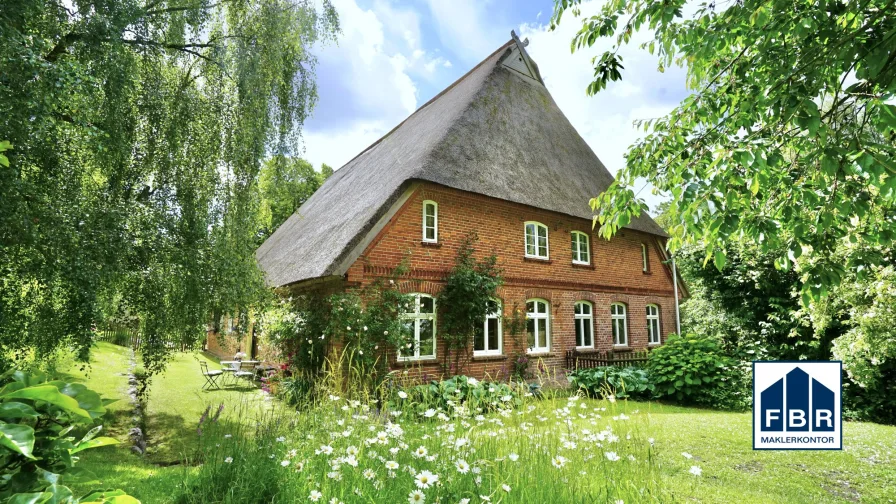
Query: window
[487, 340]
[419, 330]
[584, 325]
[644, 264]
[620, 324]
[536, 240]
[581, 250]
[538, 329]
[430, 221]
[653, 325]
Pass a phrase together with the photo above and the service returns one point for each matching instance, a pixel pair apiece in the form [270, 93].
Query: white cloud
[465, 28]
[605, 120]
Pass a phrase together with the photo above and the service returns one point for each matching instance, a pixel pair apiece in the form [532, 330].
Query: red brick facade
[615, 274]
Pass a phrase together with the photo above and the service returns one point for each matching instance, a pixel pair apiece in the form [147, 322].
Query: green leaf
[16, 410]
[30, 498]
[52, 395]
[95, 443]
[18, 438]
[719, 259]
[754, 184]
[108, 497]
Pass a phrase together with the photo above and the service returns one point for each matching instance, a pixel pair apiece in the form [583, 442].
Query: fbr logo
[796, 405]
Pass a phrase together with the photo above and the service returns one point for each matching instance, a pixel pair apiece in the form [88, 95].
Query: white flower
[334, 500]
[281, 439]
[696, 471]
[513, 457]
[420, 452]
[651, 441]
[464, 501]
[506, 487]
[284, 463]
[325, 449]
[462, 466]
[687, 455]
[559, 461]
[315, 496]
[402, 394]
[620, 501]
[228, 436]
[506, 398]
[426, 479]
[485, 498]
[369, 474]
[611, 456]
[416, 497]
[429, 413]
[391, 465]
[228, 460]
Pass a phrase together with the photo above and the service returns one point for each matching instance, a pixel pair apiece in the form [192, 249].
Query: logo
[796, 405]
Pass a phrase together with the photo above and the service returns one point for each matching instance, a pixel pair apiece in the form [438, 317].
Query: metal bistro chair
[246, 371]
[211, 376]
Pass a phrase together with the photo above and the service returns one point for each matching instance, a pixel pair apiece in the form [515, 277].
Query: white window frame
[491, 351]
[584, 319]
[653, 325]
[576, 257]
[644, 263]
[416, 316]
[435, 227]
[617, 319]
[547, 240]
[534, 315]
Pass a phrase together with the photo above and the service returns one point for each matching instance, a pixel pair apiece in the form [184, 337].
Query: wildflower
[506, 487]
[391, 465]
[464, 501]
[299, 466]
[325, 449]
[369, 474]
[402, 394]
[429, 413]
[462, 466]
[228, 436]
[416, 497]
[420, 452]
[334, 500]
[696, 471]
[506, 398]
[620, 501]
[485, 498]
[611, 456]
[559, 461]
[513, 457]
[426, 479]
[228, 460]
[281, 439]
[315, 496]
[651, 441]
[284, 463]
[461, 442]
[687, 455]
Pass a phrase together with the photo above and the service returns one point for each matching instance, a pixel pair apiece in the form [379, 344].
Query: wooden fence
[129, 336]
[576, 360]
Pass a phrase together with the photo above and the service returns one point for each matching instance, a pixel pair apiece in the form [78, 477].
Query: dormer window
[430, 221]
[536, 240]
[581, 248]
[645, 265]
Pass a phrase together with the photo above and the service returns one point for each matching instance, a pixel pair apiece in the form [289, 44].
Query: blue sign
[796, 405]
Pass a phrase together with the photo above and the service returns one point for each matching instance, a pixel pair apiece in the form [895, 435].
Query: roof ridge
[430, 101]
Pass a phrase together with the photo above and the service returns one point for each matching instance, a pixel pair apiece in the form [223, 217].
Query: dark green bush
[695, 370]
[623, 382]
[458, 391]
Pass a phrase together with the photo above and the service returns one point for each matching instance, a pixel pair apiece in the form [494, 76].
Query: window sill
[583, 265]
[586, 350]
[621, 347]
[430, 244]
[654, 344]
[543, 260]
[412, 361]
[540, 354]
[488, 357]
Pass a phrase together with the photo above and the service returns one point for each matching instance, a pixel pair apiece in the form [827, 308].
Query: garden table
[233, 366]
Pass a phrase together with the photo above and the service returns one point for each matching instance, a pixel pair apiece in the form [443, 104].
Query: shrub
[37, 448]
[622, 382]
[694, 370]
[453, 393]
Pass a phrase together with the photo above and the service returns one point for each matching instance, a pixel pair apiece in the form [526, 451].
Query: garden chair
[246, 371]
[211, 376]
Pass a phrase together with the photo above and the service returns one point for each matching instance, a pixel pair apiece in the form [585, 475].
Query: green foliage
[694, 370]
[38, 421]
[285, 184]
[456, 392]
[139, 130]
[469, 295]
[622, 382]
[787, 141]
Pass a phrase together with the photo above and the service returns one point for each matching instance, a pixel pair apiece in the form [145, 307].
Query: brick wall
[615, 273]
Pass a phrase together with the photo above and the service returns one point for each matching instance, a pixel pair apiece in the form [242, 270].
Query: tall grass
[352, 444]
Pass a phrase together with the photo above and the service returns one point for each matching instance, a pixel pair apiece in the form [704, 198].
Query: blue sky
[394, 55]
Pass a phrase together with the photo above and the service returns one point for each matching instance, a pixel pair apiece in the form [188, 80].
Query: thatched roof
[496, 131]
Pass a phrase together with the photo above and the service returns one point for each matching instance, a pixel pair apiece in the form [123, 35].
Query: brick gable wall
[615, 273]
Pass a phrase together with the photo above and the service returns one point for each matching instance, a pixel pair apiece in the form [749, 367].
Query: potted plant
[239, 356]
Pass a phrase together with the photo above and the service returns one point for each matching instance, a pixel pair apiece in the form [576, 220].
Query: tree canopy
[285, 184]
[137, 131]
[787, 140]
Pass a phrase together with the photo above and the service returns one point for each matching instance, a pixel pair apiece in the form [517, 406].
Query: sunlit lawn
[720, 444]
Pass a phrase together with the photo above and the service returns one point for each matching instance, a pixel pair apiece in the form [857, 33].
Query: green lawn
[720, 443]
[176, 402]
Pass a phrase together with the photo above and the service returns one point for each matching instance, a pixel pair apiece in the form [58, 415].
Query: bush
[37, 448]
[694, 370]
[623, 382]
[457, 392]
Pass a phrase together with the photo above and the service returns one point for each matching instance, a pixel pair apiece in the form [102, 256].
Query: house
[493, 154]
